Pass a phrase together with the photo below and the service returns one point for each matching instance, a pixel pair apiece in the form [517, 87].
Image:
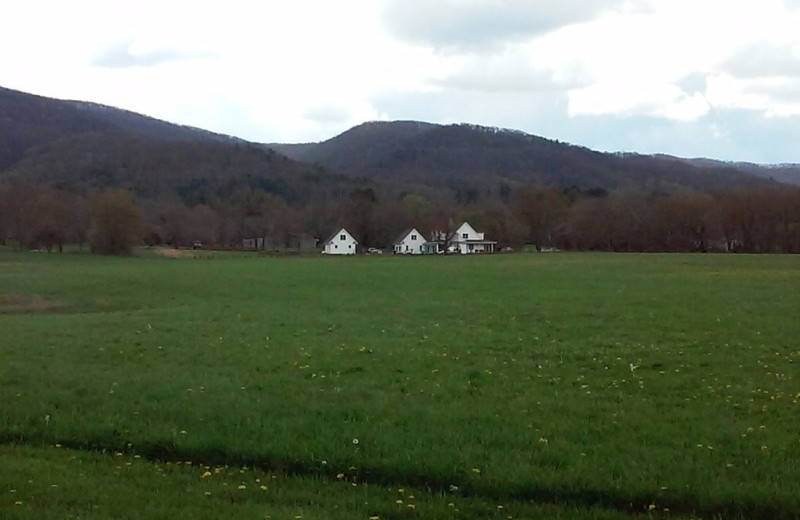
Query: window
[465, 235]
[413, 237]
[342, 237]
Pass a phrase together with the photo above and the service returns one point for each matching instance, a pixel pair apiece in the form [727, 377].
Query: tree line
[758, 220]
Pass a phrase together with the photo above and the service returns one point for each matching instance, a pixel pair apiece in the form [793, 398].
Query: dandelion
[476, 470]
[355, 441]
[340, 476]
[242, 486]
[206, 474]
[262, 488]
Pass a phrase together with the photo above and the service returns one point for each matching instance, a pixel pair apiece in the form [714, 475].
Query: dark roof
[403, 235]
[333, 235]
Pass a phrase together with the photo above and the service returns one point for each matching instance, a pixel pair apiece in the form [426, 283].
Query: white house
[465, 240]
[468, 241]
[409, 242]
[340, 243]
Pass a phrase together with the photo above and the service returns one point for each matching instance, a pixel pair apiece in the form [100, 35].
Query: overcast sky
[713, 78]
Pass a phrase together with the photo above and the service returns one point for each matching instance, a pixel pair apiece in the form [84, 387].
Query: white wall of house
[467, 232]
[340, 243]
[410, 244]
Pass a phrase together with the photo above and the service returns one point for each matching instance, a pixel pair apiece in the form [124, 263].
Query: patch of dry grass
[25, 303]
[168, 252]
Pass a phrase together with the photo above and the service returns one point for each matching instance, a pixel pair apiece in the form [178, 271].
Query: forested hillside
[64, 164]
[472, 157]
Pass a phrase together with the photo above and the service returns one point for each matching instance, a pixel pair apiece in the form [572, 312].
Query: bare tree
[116, 223]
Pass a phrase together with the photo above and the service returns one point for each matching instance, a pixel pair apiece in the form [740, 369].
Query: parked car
[374, 251]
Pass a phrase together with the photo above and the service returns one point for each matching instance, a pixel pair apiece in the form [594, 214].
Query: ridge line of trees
[758, 220]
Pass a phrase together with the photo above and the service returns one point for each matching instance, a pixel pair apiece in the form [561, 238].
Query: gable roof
[337, 233]
[404, 234]
[465, 223]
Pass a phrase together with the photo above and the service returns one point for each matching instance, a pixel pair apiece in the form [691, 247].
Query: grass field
[517, 386]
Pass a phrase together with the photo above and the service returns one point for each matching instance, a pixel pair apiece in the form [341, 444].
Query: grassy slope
[509, 376]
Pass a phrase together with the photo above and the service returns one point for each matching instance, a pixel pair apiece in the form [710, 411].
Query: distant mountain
[785, 173]
[28, 121]
[474, 156]
[85, 146]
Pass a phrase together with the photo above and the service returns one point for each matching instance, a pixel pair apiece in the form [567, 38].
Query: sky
[692, 78]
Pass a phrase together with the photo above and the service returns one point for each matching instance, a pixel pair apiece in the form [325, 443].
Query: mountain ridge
[68, 142]
[83, 146]
[473, 154]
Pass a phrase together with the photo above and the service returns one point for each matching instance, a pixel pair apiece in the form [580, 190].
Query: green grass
[508, 377]
[60, 483]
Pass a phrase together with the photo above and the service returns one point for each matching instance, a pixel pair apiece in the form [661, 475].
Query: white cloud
[771, 96]
[651, 99]
[765, 59]
[510, 71]
[128, 53]
[458, 25]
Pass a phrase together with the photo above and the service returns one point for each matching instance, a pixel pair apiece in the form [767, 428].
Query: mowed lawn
[572, 385]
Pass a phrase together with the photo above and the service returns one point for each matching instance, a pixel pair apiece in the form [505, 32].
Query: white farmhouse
[468, 241]
[465, 240]
[409, 242]
[340, 243]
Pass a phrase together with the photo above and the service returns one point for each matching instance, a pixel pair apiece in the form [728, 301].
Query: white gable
[340, 243]
[410, 243]
[467, 232]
